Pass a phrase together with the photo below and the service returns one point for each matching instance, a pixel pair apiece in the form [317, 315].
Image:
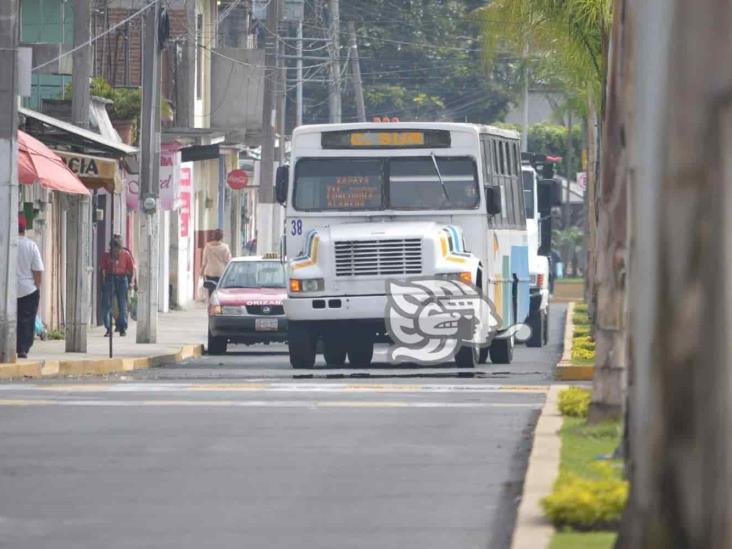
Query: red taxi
[246, 306]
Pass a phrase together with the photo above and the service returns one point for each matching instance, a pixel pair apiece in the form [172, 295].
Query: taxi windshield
[254, 274]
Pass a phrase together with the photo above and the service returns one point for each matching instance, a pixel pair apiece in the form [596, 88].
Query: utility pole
[78, 233]
[525, 103]
[334, 89]
[298, 121]
[281, 105]
[356, 67]
[8, 178]
[265, 211]
[565, 205]
[148, 279]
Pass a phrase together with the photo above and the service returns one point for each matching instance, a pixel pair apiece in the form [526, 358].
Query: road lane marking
[373, 404]
[123, 387]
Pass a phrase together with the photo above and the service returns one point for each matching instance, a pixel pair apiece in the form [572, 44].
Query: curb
[101, 366]
[533, 530]
[566, 371]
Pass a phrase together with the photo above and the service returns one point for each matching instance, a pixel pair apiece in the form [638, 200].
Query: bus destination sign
[385, 139]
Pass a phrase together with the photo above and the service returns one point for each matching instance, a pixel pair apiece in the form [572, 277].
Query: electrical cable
[97, 37]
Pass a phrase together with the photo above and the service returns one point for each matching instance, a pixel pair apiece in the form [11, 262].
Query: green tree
[552, 139]
[564, 42]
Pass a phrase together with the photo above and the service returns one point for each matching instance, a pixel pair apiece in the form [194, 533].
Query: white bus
[372, 202]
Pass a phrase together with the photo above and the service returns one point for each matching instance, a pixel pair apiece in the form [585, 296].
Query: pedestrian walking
[216, 255]
[118, 270]
[30, 272]
[131, 283]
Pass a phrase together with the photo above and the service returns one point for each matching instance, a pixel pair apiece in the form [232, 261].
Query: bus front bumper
[362, 307]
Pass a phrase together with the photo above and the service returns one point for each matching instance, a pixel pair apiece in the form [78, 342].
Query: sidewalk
[181, 335]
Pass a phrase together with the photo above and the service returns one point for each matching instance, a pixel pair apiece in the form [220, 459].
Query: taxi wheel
[216, 345]
[301, 346]
[467, 357]
[334, 350]
[360, 351]
[501, 351]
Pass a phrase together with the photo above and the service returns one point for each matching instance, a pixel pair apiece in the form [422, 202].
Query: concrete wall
[237, 91]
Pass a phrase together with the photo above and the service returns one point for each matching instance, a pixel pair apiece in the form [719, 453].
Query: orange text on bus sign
[387, 139]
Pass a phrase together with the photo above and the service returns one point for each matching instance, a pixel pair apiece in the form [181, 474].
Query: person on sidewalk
[118, 268]
[131, 283]
[30, 272]
[216, 255]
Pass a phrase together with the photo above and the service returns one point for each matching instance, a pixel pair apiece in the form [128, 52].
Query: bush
[583, 355]
[586, 504]
[574, 401]
[56, 334]
[581, 319]
[582, 330]
[584, 342]
[580, 308]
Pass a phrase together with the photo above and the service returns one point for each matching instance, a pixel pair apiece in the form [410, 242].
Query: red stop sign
[237, 179]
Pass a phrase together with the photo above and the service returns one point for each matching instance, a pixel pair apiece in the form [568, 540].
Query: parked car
[247, 304]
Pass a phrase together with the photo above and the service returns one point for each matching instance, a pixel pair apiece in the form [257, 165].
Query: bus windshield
[400, 183]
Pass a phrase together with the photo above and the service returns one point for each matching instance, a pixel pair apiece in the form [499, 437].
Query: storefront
[100, 163]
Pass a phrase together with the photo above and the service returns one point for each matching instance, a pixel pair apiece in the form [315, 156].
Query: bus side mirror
[281, 180]
[550, 195]
[493, 200]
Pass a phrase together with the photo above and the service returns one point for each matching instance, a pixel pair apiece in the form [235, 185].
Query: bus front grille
[378, 257]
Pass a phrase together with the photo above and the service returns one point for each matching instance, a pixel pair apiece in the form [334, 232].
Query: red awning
[36, 162]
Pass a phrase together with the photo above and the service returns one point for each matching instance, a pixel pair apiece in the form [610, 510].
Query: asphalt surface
[242, 451]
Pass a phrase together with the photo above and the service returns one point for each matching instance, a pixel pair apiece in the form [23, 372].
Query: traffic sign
[237, 179]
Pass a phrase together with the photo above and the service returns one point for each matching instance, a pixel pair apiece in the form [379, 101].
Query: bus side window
[510, 158]
[486, 157]
[520, 209]
[501, 159]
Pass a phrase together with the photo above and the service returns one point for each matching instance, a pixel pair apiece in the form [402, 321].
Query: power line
[97, 37]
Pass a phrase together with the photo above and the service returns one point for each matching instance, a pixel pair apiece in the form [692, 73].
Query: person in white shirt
[30, 271]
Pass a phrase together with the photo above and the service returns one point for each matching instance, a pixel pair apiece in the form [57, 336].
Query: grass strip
[582, 445]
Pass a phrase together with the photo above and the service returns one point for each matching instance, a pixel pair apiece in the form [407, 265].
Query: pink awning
[36, 162]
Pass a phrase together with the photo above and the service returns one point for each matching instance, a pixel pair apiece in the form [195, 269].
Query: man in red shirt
[118, 269]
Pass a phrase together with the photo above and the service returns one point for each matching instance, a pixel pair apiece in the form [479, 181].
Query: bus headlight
[466, 276]
[306, 285]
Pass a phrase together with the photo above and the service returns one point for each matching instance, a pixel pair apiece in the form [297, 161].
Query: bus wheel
[483, 355]
[301, 345]
[501, 351]
[538, 326]
[360, 351]
[334, 350]
[467, 357]
[546, 327]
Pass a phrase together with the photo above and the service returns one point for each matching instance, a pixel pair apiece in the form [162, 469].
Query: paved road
[237, 451]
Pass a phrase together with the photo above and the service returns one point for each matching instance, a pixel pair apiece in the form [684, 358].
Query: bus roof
[449, 126]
